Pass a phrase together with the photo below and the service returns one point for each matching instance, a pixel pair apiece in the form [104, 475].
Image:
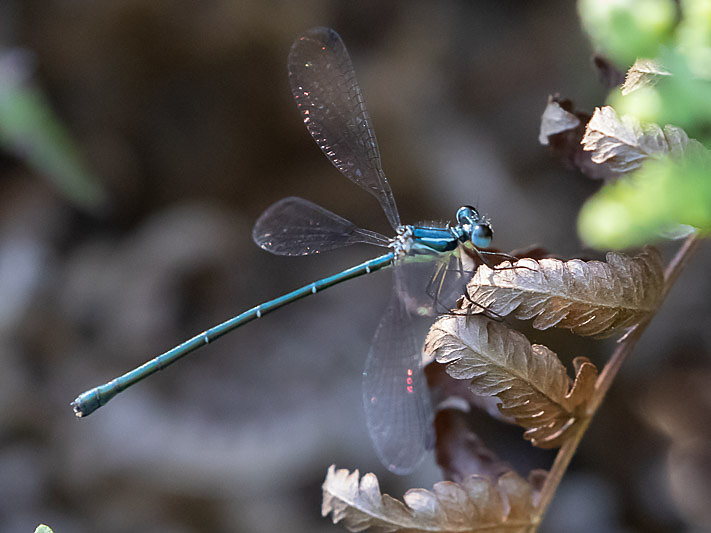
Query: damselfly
[395, 395]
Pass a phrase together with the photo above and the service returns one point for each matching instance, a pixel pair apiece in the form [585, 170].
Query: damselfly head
[475, 228]
[482, 234]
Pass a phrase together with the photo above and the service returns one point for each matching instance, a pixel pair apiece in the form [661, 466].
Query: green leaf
[639, 209]
[31, 131]
[43, 529]
[682, 98]
[627, 29]
[694, 35]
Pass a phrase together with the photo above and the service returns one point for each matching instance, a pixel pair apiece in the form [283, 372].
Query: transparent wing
[294, 226]
[395, 395]
[429, 283]
[328, 96]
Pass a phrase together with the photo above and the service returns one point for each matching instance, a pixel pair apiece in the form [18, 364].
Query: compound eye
[482, 235]
[467, 215]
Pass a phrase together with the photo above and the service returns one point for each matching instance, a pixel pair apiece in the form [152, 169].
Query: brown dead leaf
[556, 119]
[460, 452]
[562, 128]
[530, 380]
[447, 392]
[587, 297]
[644, 73]
[477, 504]
[623, 143]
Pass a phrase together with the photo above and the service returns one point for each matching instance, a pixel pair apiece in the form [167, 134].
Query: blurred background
[141, 140]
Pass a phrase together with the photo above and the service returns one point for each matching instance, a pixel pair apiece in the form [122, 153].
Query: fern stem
[678, 263]
[604, 381]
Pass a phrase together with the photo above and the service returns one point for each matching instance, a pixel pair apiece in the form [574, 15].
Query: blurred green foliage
[650, 203]
[628, 29]
[43, 529]
[30, 130]
[640, 207]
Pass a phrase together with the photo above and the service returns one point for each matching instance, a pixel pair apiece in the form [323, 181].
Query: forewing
[294, 226]
[328, 96]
